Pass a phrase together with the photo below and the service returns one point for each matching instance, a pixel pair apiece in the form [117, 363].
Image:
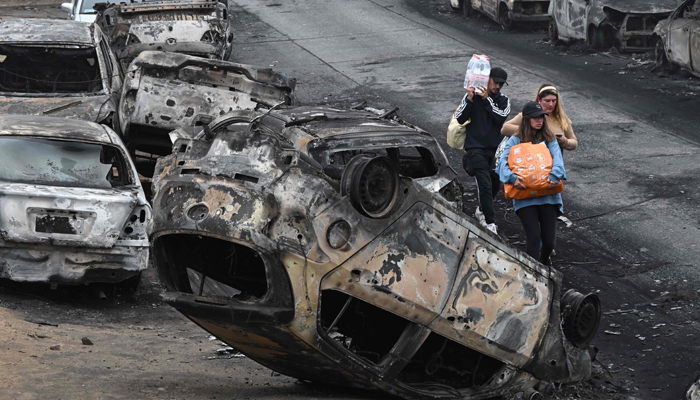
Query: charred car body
[164, 91]
[197, 27]
[71, 207]
[505, 12]
[57, 68]
[329, 244]
[626, 24]
[678, 38]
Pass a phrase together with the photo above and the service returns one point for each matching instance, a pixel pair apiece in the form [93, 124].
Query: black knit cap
[533, 109]
[499, 75]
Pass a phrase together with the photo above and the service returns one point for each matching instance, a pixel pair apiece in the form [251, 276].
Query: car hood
[642, 6]
[86, 108]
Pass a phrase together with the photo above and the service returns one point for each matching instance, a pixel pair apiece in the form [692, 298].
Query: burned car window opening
[49, 69]
[62, 163]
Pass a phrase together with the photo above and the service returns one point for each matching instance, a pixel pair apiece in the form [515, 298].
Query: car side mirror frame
[67, 7]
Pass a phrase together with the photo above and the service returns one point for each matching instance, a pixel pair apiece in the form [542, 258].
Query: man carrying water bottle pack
[487, 109]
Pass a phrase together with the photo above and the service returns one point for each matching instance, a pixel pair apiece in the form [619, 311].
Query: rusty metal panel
[498, 306]
[415, 261]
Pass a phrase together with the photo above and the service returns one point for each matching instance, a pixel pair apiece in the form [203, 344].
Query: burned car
[330, 245]
[164, 91]
[72, 209]
[626, 24]
[507, 13]
[57, 68]
[678, 38]
[196, 27]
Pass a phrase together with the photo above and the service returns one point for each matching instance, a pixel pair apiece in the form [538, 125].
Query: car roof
[36, 30]
[57, 128]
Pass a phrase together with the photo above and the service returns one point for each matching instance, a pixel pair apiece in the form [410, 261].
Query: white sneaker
[493, 228]
[480, 216]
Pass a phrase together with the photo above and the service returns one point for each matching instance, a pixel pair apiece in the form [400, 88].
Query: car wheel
[372, 183]
[553, 31]
[660, 56]
[505, 21]
[467, 10]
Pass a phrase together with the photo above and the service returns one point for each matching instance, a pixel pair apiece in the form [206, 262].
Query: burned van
[57, 68]
[330, 244]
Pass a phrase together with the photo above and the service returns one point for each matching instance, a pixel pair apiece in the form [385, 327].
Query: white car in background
[81, 10]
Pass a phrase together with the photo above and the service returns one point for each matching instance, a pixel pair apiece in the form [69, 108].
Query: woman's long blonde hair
[528, 134]
[558, 114]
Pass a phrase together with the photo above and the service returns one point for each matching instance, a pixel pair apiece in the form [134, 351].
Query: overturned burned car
[72, 209]
[197, 27]
[57, 68]
[626, 24]
[164, 91]
[678, 38]
[330, 244]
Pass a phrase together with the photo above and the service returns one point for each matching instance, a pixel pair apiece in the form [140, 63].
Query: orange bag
[533, 162]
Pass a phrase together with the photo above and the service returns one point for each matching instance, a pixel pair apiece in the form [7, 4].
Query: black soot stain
[391, 265]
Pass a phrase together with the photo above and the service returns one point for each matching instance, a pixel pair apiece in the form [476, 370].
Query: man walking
[487, 110]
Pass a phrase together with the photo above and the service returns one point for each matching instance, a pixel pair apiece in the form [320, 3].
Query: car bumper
[72, 265]
[519, 17]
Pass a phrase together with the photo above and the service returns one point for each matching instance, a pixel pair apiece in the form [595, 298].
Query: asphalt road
[632, 189]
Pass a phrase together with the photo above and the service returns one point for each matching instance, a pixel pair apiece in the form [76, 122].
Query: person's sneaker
[493, 228]
[480, 216]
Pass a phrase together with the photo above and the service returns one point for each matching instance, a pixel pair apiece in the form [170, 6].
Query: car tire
[553, 31]
[372, 184]
[660, 56]
[504, 20]
[467, 10]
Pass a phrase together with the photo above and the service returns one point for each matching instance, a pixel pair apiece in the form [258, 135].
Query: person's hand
[552, 184]
[562, 141]
[520, 183]
[484, 93]
[470, 92]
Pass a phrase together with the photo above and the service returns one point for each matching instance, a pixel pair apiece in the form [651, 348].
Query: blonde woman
[557, 121]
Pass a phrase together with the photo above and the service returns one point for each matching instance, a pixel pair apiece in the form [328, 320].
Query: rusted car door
[576, 16]
[695, 46]
[678, 46]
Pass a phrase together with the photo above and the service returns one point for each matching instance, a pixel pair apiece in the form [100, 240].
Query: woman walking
[557, 121]
[537, 214]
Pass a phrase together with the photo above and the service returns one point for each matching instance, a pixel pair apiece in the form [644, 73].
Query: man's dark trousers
[487, 180]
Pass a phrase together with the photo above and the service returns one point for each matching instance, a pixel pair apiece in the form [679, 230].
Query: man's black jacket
[487, 118]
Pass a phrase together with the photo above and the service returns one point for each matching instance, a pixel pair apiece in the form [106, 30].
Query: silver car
[678, 38]
[81, 10]
[72, 209]
[59, 69]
